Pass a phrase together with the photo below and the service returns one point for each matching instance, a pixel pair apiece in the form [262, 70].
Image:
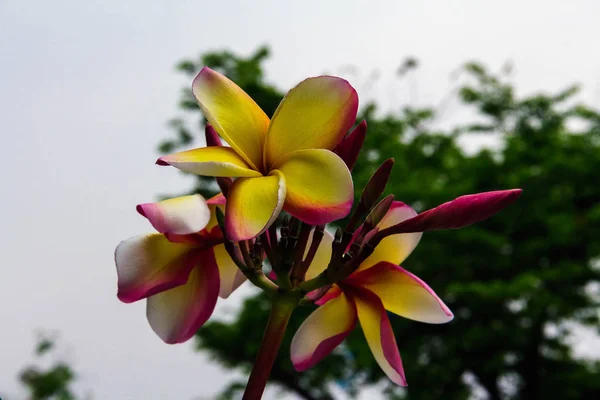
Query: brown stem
[266, 245]
[281, 311]
[356, 217]
[246, 254]
[300, 247]
[299, 270]
[256, 276]
[230, 248]
[272, 232]
[379, 236]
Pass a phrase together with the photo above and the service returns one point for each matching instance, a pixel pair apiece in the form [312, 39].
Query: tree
[513, 281]
[53, 382]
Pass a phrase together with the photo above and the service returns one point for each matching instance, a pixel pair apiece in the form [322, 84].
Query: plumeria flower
[379, 285]
[181, 270]
[284, 163]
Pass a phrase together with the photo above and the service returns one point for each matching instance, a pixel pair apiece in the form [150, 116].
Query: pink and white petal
[394, 248]
[210, 161]
[176, 314]
[230, 275]
[217, 199]
[149, 264]
[322, 332]
[233, 114]
[378, 332]
[319, 186]
[316, 114]
[397, 213]
[403, 293]
[253, 205]
[203, 240]
[322, 256]
[181, 215]
[460, 212]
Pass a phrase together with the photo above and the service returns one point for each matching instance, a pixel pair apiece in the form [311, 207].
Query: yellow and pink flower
[181, 270]
[380, 285]
[283, 163]
[298, 161]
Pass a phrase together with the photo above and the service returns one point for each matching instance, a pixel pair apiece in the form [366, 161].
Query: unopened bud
[377, 184]
[349, 148]
[212, 137]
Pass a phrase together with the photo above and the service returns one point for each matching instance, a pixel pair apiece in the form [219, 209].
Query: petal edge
[176, 314]
[253, 205]
[322, 331]
[319, 186]
[232, 113]
[315, 114]
[180, 215]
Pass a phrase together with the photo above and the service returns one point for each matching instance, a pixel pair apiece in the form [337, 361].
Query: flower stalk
[282, 307]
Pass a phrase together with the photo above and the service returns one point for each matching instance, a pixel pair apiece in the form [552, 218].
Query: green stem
[317, 282]
[260, 280]
[281, 310]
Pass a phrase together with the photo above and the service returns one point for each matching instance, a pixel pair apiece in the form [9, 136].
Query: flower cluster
[295, 169]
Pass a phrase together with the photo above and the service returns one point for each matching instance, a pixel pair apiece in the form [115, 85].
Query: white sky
[87, 86]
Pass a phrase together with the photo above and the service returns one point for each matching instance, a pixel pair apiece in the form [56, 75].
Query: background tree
[51, 383]
[516, 282]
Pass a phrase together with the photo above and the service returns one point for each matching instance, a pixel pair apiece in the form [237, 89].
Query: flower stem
[281, 310]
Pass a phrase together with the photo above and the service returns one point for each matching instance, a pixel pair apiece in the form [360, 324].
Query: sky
[85, 93]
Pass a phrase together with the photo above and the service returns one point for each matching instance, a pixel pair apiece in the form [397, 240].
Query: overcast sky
[87, 86]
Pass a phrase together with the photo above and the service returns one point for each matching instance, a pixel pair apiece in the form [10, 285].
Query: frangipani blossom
[380, 285]
[181, 270]
[283, 163]
[299, 161]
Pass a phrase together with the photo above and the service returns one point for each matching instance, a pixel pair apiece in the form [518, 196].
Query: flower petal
[403, 293]
[462, 211]
[212, 231]
[322, 256]
[395, 248]
[218, 199]
[230, 275]
[378, 332]
[316, 114]
[233, 114]
[318, 265]
[322, 332]
[176, 314]
[210, 161]
[149, 264]
[253, 205]
[333, 292]
[180, 215]
[319, 186]
[350, 146]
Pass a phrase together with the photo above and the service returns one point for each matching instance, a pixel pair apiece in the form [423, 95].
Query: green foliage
[513, 281]
[52, 383]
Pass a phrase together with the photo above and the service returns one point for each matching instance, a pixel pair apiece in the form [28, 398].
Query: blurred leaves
[51, 383]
